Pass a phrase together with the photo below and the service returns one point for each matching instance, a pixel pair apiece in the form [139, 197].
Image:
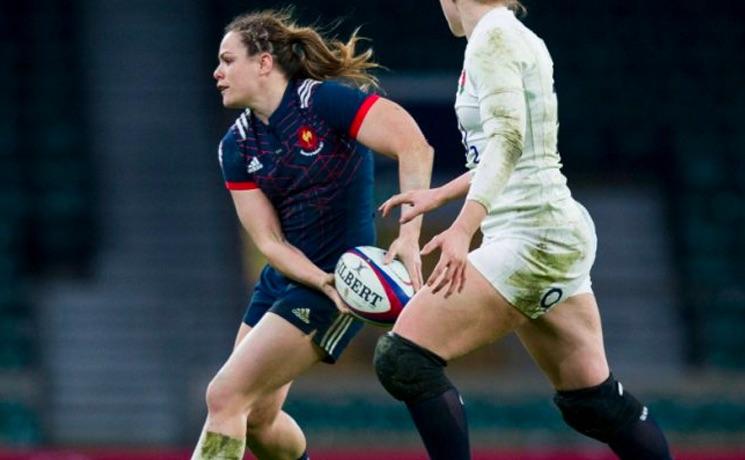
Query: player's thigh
[267, 357]
[243, 330]
[264, 410]
[454, 326]
[567, 343]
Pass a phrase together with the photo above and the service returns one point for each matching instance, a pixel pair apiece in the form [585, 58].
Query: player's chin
[457, 32]
[231, 103]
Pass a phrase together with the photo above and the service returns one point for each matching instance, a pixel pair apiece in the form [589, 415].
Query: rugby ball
[374, 292]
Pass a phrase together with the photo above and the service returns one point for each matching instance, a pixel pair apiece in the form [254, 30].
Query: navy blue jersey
[309, 165]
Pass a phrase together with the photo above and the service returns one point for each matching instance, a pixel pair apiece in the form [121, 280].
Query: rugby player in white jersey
[531, 274]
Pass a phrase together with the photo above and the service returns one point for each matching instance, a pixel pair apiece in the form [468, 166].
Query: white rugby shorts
[537, 267]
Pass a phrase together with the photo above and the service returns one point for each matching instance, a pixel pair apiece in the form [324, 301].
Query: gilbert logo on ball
[374, 292]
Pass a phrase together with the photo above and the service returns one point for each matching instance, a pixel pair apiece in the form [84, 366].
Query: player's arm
[422, 201]
[496, 70]
[258, 217]
[389, 130]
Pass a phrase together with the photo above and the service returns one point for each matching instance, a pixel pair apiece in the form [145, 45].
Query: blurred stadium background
[123, 274]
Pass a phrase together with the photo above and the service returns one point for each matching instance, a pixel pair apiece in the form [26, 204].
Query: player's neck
[270, 99]
[471, 13]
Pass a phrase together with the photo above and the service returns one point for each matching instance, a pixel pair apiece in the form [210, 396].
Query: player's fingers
[453, 284]
[410, 213]
[443, 277]
[389, 255]
[462, 277]
[442, 282]
[429, 247]
[417, 278]
[450, 280]
[434, 276]
[414, 268]
[336, 298]
[392, 202]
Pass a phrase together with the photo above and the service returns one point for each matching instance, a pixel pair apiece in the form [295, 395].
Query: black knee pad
[600, 411]
[407, 371]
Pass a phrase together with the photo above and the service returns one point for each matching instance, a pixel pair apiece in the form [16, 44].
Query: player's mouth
[222, 89]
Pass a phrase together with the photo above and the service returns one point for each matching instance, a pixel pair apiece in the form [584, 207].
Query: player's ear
[266, 63]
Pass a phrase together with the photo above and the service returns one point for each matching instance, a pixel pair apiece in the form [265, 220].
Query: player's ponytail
[302, 52]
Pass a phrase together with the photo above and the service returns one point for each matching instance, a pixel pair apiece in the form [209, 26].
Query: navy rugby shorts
[306, 308]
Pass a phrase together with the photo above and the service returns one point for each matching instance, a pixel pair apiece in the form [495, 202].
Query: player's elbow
[415, 151]
[269, 246]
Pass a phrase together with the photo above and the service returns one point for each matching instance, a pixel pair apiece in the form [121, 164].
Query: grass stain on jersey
[544, 271]
[504, 125]
[216, 446]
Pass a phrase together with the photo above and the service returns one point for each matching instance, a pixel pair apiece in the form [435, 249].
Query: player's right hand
[450, 271]
[420, 201]
[328, 288]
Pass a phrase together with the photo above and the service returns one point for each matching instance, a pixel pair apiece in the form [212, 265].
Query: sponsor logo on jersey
[308, 142]
[462, 81]
[303, 314]
[254, 165]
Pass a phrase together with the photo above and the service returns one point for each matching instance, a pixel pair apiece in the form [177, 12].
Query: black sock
[441, 422]
[641, 440]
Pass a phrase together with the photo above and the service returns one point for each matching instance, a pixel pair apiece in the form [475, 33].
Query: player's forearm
[291, 262]
[470, 217]
[415, 173]
[454, 189]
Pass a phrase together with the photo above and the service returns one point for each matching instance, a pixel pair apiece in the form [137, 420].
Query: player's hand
[407, 250]
[327, 287]
[420, 201]
[450, 271]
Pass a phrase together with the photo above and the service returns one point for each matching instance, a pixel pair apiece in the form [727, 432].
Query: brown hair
[303, 52]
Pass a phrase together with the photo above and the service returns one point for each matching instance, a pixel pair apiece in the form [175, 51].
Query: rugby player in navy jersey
[299, 168]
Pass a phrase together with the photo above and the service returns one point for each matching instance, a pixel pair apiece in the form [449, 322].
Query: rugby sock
[641, 440]
[216, 446]
[441, 422]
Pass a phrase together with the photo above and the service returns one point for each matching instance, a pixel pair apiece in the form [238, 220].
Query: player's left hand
[407, 251]
[450, 271]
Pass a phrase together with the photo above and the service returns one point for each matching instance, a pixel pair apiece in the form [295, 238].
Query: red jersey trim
[241, 185]
[361, 114]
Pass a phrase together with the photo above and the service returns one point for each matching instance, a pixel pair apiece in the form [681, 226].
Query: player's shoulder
[497, 30]
[239, 129]
[306, 89]
[326, 92]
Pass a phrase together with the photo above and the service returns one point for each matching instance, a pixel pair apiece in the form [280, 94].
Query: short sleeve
[233, 164]
[343, 107]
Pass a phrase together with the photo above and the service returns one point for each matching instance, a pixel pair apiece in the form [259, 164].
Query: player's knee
[222, 397]
[600, 411]
[407, 371]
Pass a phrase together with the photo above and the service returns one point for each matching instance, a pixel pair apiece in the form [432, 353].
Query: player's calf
[610, 414]
[416, 376]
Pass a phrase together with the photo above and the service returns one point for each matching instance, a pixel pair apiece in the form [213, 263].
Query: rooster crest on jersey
[374, 292]
[308, 142]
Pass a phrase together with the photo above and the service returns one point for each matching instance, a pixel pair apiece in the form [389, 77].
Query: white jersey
[539, 244]
[507, 112]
